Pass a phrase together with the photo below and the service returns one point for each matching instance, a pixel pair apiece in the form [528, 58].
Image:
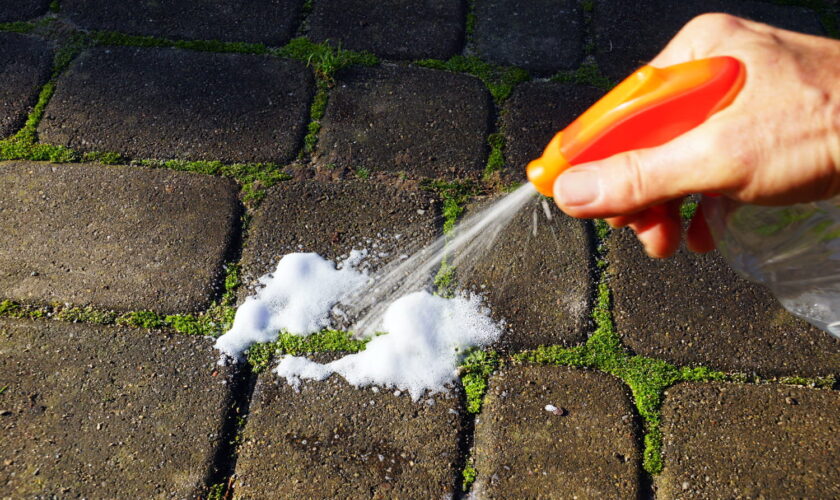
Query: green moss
[363, 173]
[496, 158]
[445, 279]
[55, 7]
[107, 158]
[500, 80]
[142, 319]
[84, 315]
[688, 209]
[324, 59]
[316, 113]
[469, 25]
[3, 389]
[115, 38]
[586, 74]
[468, 474]
[9, 309]
[588, 5]
[327, 340]
[217, 491]
[17, 27]
[454, 195]
[475, 372]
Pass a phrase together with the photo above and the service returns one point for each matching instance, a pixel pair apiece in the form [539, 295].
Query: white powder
[426, 336]
[297, 298]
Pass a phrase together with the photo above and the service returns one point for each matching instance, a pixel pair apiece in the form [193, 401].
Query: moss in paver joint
[500, 80]
[687, 209]
[496, 158]
[587, 74]
[327, 340]
[468, 474]
[454, 195]
[475, 371]
[116, 38]
[469, 22]
[55, 7]
[17, 27]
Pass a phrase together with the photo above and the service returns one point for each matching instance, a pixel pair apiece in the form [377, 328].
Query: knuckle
[715, 20]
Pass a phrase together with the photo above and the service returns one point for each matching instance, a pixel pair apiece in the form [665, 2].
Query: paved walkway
[158, 157]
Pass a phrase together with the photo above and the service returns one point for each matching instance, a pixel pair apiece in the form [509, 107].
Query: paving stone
[629, 34]
[402, 119]
[397, 29]
[694, 309]
[25, 65]
[332, 218]
[584, 447]
[533, 114]
[331, 440]
[92, 411]
[272, 22]
[539, 283]
[172, 103]
[114, 237]
[541, 36]
[22, 10]
[750, 441]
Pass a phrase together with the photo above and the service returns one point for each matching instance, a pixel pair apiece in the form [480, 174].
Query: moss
[469, 21]
[316, 113]
[141, 319]
[496, 158]
[688, 209]
[500, 80]
[586, 74]
[327, 340]
[84, 315]
[17, 27]
[324, 59]
[363, 173]
[55, 7]
[115, 38]
[107, 158]
[217, 491]
[588, 5]
[10, 309]
[454, 195]
[468, 474]
[475, 372]
[445, 279]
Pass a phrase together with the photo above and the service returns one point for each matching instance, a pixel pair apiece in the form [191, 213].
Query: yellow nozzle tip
[543, 171]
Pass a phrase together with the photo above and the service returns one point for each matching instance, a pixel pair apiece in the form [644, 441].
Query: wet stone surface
[541, 36]
[125, 238]
[21, 10]
[534, 114]
[331, 440]
[694, 309]
[333, 218]
[626, 38]
[582, 446]
[25, 65]
[271, 22]
[92, 410]
[750, 441]
[394, 29]
[537, 277]
[172, 103]
[403, 119]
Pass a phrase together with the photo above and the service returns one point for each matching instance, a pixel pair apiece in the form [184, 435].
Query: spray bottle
[793, 250]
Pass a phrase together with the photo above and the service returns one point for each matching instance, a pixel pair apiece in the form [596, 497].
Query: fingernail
[577, 187]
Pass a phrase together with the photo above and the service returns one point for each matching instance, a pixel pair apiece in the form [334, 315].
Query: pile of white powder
[425, 335]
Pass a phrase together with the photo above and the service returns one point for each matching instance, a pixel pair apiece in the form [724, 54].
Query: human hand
[778, 143]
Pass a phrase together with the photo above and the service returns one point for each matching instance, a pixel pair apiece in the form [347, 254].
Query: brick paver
[750, 441]
[25, 64]
[272, 22]
[331, 440]
[172, 103]
[22, 10]
[629, 34]
[398, 29]
[542, 36]
[533, 114]
[91, 411]
[331, 219]
[694, 309]
[539, 282]
[115, 237]
[401, 119]
[584, 448]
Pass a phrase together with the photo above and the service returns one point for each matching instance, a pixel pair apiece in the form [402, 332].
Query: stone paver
[629, 34]
[272, 22]
[92, 411]
[25, 65]
[694, 309]
[172, 103]
[332, 218]
[331, 440]
[533, 114]
[585, 448]
[115, 237]
[22, 10]
[539, 283]
[542, 36]
[750, 441]
[415, 120]
[397, 29]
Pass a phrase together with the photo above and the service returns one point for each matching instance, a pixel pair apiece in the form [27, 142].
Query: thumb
[632, 181]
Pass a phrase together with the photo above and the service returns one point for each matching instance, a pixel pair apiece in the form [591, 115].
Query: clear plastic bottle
[793, 250]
